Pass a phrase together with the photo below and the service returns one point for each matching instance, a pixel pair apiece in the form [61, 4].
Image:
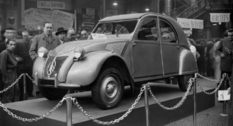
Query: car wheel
[53, 93]
[108, 89]
[183, 81]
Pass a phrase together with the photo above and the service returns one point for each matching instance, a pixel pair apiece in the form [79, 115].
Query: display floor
[169, 95]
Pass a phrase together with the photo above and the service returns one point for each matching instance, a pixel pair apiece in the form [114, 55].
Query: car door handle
[134, 44]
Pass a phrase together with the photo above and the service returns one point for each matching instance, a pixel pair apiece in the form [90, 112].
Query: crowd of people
[20, 49]
[215, 58]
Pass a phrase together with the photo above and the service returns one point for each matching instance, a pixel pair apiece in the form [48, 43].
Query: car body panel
[86, 75]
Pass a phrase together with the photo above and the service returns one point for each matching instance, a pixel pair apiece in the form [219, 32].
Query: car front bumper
[56, 83]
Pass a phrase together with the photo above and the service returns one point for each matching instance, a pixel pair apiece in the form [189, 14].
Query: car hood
[87, 45]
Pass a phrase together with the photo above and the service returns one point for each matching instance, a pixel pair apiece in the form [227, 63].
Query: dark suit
[226, 47]
[22, 50]
[43, 41]
[2, 47]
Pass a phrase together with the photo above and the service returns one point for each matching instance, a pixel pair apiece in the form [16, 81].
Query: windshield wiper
[117, 34]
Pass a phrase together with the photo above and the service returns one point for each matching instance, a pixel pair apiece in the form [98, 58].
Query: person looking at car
[22, 48]
[225, 50]
[8, 68]
[9, 33]
[61, 34]
[71, 36]
[44, 42]
[84, 35]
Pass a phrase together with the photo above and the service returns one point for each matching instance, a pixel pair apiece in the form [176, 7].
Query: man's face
[71, 34]
[11, 46]
[48, 28]
[10, 34]
[25, 35]
[230, 35]
[62, 36]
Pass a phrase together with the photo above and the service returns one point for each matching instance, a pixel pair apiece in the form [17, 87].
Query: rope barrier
[16, 81]
[216, 89]
[116, 120]
[75, 102]
[179, 103]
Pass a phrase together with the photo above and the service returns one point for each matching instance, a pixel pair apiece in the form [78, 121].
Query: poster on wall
[30, 19]
[35, 18]
[11, 19]
[62, 19]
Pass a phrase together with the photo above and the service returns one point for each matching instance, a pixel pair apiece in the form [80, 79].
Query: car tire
[53, 93]
[108, 88]
[183, 81]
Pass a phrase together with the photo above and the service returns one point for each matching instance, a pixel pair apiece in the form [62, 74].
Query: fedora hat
[60, 30]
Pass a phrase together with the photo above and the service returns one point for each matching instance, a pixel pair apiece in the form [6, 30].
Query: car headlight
[78, 53]
[42, 52]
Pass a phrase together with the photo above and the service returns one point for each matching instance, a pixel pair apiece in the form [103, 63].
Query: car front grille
[48, 72]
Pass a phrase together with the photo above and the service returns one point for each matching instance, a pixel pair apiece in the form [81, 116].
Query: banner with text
[50, 5]
[190, 23]
[219, 17]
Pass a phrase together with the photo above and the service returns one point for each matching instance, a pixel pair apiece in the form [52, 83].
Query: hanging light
[115, 4]
[147, 9]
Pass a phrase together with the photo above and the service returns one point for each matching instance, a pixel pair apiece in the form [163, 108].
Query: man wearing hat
[44, 42]
[61, 34]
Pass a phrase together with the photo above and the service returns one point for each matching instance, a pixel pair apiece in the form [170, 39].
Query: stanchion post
[24, 87]
[146, 105]
[69, 112]
[194, 100]
[224, 87]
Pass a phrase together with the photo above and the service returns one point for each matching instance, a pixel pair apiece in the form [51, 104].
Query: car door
[170, 47]
[146, 51]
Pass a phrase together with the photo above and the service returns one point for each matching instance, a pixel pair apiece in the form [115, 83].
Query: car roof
[181, 35]
[128, 16]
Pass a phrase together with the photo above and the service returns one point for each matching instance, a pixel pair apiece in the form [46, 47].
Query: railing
[146, 89]
[199, 5]
[178, 10]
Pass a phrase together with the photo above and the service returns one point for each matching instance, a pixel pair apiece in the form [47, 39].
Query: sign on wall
[35, 18]
[50, 5]
[90, 11]
[190, 23]
[62, 19]
[219, 17]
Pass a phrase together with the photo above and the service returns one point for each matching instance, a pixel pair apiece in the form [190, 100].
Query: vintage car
[130, 49]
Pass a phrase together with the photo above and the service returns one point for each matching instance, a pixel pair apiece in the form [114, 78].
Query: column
[155, 6]
[168, 7]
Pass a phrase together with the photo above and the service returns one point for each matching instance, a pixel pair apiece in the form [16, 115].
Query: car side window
[168, 34]
[148, 30]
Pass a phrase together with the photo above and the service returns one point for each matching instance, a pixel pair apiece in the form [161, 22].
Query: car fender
[38, 67]
[85, 71]
[188, 63]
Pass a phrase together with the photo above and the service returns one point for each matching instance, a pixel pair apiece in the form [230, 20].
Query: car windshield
[115, 28]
